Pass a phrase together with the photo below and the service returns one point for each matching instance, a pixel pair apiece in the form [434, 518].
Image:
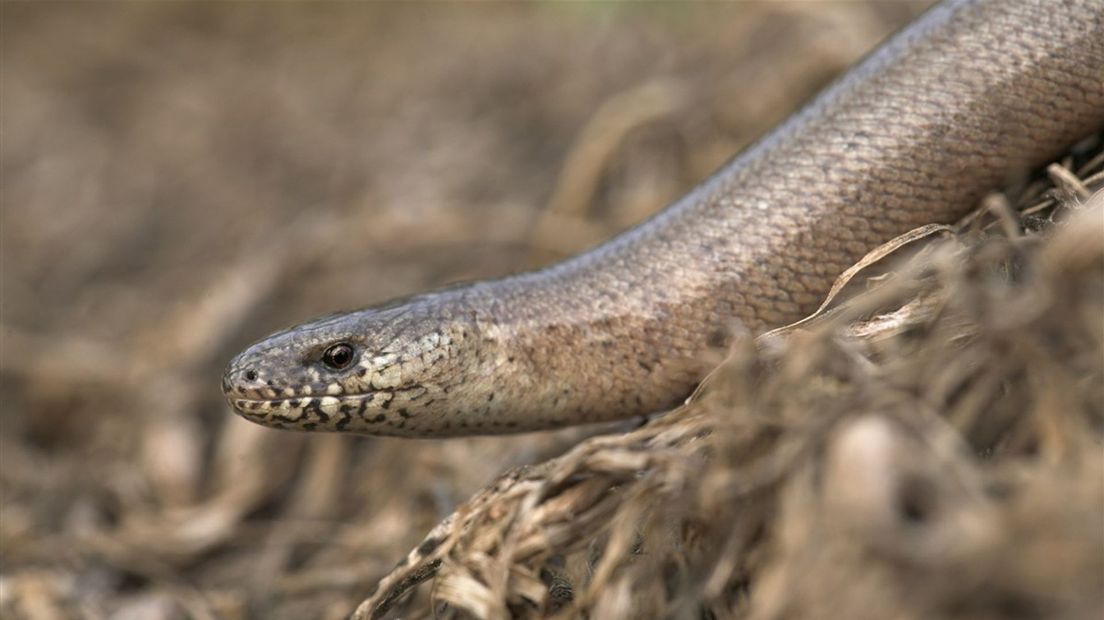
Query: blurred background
[179, 179]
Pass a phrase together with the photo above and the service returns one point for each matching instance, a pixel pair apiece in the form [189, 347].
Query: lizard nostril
[251, 375]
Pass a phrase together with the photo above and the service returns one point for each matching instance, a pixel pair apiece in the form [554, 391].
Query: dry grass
[929, 449]
[181, 178]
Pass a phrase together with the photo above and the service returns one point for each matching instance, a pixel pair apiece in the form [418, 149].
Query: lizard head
[401, 369]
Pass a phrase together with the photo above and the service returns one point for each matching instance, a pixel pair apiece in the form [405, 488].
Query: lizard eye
[338, 356]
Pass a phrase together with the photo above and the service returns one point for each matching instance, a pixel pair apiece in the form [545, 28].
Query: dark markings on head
[315, 407]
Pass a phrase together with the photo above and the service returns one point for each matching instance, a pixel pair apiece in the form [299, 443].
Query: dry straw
[928, 448]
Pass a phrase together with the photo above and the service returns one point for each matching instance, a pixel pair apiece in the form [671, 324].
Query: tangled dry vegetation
[928, 449]
[182, 178]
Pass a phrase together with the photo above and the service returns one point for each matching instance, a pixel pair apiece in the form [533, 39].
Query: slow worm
[971, 95]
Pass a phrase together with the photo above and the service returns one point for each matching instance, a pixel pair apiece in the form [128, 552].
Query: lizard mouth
[328, 413]
[304, 412]
[321, 407]
[290, 404]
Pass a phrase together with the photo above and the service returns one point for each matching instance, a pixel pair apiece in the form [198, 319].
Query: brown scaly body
[971, 95]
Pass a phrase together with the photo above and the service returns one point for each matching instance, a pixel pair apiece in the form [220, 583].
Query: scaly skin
[971, 95]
